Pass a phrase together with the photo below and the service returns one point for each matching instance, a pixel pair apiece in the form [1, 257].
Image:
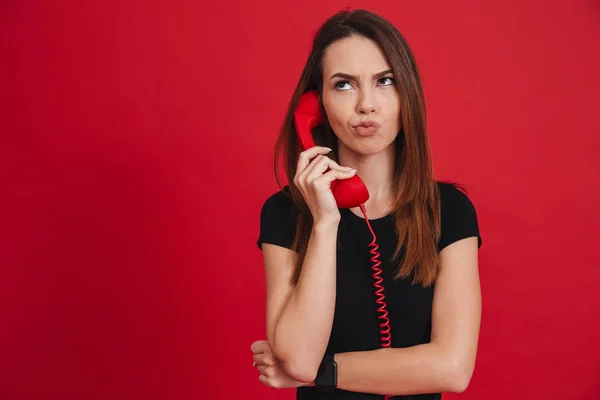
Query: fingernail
[254, 364]
[327, 148]
[350, 169]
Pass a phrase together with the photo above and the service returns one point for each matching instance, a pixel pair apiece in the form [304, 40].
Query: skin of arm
[299, 318]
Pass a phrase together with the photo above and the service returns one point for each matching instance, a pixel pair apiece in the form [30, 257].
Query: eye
[342, 85]
[386, 81]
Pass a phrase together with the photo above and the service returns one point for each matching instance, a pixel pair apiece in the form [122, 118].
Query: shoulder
[453, 195]
[279, 203]
[458, 214]
[278, 219]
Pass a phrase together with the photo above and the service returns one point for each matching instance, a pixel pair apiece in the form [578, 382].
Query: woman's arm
[447, 362]
[299, 319]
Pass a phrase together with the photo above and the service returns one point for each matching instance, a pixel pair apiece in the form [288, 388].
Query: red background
[136, 154]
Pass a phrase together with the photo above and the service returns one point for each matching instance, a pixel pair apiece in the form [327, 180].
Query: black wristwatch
[327, 374]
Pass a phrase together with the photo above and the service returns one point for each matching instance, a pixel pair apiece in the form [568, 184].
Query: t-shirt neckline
[362, 218]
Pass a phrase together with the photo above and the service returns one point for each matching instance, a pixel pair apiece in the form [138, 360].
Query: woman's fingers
[309, 169]
[260, 346]
[265, 370]
[307, 155]
[321, 167]
[264, 359]
[332, 175]
[317, 167]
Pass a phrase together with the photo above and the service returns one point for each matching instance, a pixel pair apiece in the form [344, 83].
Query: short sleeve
[458, 216]
[277, 220]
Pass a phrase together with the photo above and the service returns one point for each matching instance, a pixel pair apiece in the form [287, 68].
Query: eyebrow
[354, 78]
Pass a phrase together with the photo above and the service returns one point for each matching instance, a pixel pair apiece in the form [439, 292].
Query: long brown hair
[417, 205]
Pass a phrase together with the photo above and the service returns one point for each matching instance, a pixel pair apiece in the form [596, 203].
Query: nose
[366, 102]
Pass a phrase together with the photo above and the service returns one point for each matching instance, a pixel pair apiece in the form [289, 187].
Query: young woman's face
[358, 87]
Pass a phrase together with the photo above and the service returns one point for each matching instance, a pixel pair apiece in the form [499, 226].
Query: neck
[377, 172]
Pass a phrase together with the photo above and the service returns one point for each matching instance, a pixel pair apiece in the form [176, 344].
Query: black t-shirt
[355, 324]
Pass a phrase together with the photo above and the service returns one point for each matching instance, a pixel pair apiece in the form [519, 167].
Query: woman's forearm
[424, 368]
[303, 329]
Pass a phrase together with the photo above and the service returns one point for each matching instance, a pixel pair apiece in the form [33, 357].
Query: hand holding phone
[314, 179]
[347, 189]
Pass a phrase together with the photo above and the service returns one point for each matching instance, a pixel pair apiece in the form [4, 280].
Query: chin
[369, 146]
[367, 149]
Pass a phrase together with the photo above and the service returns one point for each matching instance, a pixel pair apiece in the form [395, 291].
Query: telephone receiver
[348, 193]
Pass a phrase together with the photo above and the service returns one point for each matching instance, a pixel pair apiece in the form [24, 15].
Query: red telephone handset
[348, 193]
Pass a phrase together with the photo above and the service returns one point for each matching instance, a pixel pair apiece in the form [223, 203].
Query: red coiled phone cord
[384, 324]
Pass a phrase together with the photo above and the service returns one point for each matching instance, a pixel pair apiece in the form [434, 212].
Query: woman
[323, 332]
